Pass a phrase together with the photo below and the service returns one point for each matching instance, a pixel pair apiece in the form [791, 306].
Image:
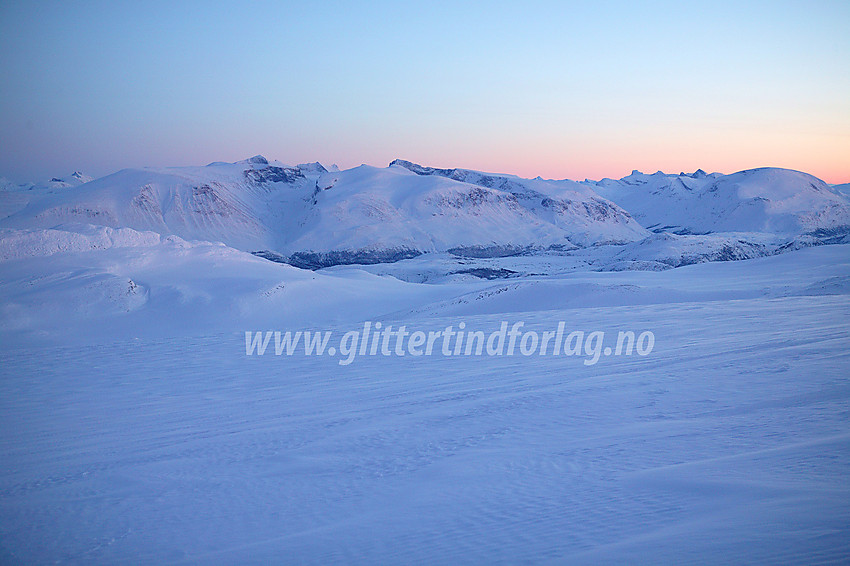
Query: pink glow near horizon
[556, 89]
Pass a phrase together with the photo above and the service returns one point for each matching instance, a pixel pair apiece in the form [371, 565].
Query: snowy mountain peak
[75, 179]
[312, 168]
[416, 168]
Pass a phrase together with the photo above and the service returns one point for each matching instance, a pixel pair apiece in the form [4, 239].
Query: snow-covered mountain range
[312, 217]
[766, 200]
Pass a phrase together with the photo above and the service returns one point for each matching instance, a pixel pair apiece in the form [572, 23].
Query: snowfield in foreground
[136, 430]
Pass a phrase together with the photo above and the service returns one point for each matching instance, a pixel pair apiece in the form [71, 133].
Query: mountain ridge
[313, 217]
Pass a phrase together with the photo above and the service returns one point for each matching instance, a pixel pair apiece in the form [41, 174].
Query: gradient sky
[559, 89]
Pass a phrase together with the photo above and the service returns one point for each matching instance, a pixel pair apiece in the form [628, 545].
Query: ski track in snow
[728, 443]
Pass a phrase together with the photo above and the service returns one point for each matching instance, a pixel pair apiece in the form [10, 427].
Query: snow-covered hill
[569, 205]
[75, 179]
[766, 200]
[16, 196]
[245, 204]
[373, 214]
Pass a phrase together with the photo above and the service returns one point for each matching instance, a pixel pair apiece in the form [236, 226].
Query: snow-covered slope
[245, 204]
[15, 197]
[16, 244]
[75, 179]
[766, 200]
[843, 188]
[372, 214]
[568, 205]
[54, 282]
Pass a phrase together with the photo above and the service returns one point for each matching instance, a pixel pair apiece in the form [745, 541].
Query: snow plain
[144, 434]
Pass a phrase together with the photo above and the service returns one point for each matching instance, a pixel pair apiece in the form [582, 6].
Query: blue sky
[558, 89]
